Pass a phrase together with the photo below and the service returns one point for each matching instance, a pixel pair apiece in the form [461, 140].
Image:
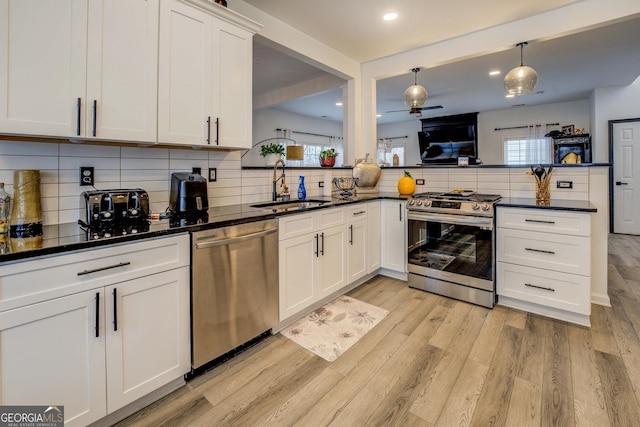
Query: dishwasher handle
[227, 241]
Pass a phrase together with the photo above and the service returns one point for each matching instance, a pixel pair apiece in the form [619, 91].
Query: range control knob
[427, 203]
[412, 202]
[419, 203]
[475, 206]
[486, 207]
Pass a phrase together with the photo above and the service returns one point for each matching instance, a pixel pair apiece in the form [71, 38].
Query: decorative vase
[272, 159]
[327, 162]
[26, 217]
[302, 191]
[542, 179]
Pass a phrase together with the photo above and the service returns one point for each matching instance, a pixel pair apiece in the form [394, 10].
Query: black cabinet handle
[97, 314]
[322, 247]
[317, 244]
[95, 270]
[621, 183]
[539, 287]
[540, 250]
[209, 130]
[539, 221]
[95, 110]
[115, 310]
[400, 210]
[351, 234]
[79, 107]
[217, 130]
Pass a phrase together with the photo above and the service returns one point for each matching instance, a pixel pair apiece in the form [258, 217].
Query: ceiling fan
[433, 107]
[415, 96]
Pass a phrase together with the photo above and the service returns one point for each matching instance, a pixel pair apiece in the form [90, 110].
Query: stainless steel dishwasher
[234, 287]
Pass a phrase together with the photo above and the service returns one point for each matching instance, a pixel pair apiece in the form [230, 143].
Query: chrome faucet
[274, 194]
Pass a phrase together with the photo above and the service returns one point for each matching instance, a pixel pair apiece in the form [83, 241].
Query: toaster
[115, 206]
[188, 194]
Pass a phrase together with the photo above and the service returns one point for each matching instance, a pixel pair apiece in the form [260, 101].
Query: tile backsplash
[150, 168]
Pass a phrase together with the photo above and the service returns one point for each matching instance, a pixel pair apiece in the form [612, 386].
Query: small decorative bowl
[345, 185]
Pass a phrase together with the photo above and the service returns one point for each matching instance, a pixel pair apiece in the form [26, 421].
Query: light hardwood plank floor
[434, 361]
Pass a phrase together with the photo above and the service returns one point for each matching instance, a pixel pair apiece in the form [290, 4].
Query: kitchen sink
[291, 205]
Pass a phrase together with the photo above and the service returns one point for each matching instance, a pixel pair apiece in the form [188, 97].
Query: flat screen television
[442, 140]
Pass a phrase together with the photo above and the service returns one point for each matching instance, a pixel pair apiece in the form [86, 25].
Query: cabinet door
[49, 354]
[42, 66]
[184, 75]
[122, 70]
[298, 259]
[232, 82]
[394, 236]
[148, 341]
[357, 250]
[373, 232]
[333, 259]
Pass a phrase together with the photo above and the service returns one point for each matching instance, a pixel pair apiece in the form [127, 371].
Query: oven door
[454, 248]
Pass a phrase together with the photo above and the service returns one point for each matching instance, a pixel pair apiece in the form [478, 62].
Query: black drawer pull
[95, 113]
[79, 107]
[539, 221]
[359, 213]
[322, 246]
[351, 235]
[539, 287]
[109, 267]
[317, 239]
[209, 130]
[540, 250]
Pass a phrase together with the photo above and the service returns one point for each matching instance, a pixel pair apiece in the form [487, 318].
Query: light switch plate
[419, 181]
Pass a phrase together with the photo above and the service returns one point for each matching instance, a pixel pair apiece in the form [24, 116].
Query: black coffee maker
[188, 194]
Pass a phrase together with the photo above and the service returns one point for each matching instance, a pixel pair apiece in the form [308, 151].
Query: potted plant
[272, 152]
[328, 158]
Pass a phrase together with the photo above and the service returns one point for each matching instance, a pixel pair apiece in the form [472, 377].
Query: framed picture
[567, 130]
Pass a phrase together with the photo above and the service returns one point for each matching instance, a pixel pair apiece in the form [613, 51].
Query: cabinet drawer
[550, 221]
[45, 278]
[331, 217]
[567, 254]
[549, 288]
[357, 212]
[296, 225]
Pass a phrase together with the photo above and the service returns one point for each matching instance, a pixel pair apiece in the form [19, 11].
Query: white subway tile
[86, 150]
[24, 148]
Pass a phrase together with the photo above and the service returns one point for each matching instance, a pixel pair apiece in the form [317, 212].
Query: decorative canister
[26, 215]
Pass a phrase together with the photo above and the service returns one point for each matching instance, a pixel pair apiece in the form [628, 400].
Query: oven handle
[452, 219]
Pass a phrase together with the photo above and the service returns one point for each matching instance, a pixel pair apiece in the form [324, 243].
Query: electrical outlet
[196, 170]
[321, 184]
[87, 176]
[419, 181]
[564, 184]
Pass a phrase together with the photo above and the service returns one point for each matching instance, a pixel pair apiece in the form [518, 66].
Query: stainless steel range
[451, 245]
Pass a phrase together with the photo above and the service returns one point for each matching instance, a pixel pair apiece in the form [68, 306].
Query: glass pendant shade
[415, 96]
[521, 80]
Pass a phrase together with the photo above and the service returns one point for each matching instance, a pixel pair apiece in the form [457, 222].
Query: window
[386, 150]
[527, 151]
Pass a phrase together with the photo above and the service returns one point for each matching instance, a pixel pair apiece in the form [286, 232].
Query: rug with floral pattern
[330, 330]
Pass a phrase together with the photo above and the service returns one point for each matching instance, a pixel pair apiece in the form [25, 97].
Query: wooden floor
[436, 361]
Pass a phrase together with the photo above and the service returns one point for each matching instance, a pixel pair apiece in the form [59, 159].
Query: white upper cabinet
[79, 69]
[205, 76]
[122, 70]
[185, 75]
[43, 48]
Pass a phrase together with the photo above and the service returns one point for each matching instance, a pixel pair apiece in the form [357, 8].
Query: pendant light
[415, 96]
[521, 80]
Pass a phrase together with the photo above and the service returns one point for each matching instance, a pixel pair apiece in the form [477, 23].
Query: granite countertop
[558, 205]
[61, 238]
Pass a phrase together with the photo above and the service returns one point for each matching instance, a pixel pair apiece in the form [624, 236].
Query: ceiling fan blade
[397, 111]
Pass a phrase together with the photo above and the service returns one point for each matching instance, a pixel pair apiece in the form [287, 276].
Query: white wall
[266, 121]
[490, 147]
[612, 103]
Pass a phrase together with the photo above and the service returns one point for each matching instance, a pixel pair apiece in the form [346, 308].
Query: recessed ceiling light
[509, 96]
[338, 104]
[378, 115]
[390, 16]
[494, 72]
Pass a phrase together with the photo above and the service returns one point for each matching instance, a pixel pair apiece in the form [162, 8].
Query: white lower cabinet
[95, 350]
[358, 242]
[393, 229]
[312, 258]
[544, 262]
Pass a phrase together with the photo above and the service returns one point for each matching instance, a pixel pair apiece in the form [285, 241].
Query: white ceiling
[569, 67]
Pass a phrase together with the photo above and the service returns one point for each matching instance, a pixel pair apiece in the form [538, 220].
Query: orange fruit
[406, 185]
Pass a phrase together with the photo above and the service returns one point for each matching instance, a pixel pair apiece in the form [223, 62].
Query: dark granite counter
[61, 238]
[558, 205]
